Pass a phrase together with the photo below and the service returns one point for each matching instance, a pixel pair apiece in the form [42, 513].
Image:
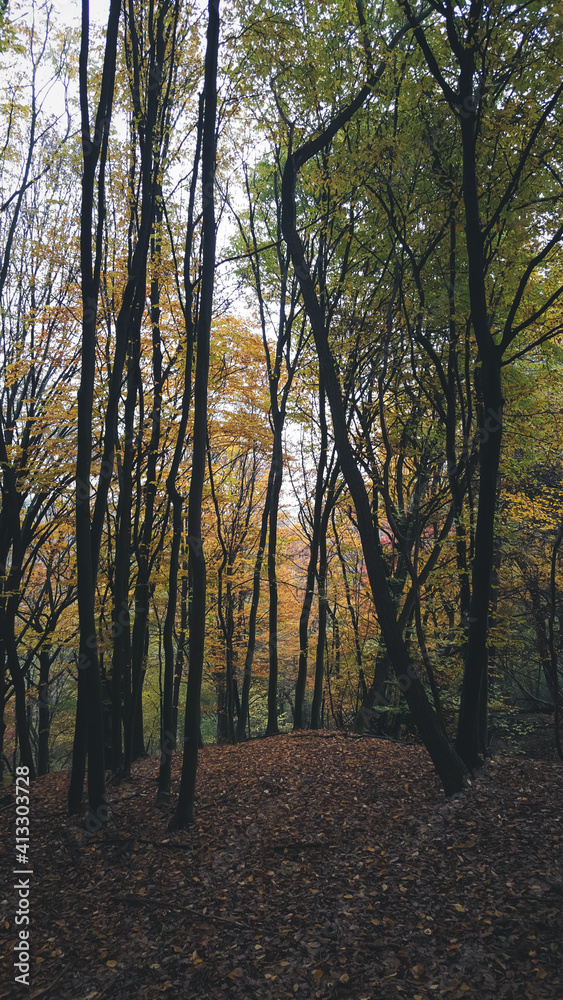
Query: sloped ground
[320, 866]
[524, 734]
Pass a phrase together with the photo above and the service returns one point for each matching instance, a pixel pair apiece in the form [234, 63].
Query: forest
[281, 336]
[281, 511]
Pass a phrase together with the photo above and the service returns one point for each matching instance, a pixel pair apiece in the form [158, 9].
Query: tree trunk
[316, 718]
[167, 733]
[133, 723]
[489, 390]
[121, 660]
[277, 461]
[349, 604]
[18, 680]
[196, 560]
[301, 683]
[374, 695]
[449, 766]
[89, 731]
[168, 716]
[44, 713]
[319, 524]
[180, 648]
[243, 718]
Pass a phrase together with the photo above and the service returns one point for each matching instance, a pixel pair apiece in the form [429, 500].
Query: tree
[239, 434]
[487, 89]
[279, 313]
[88, 739]
[315, 523]
[196, 558]
[449, 766]
[34, 284]
[150, 79]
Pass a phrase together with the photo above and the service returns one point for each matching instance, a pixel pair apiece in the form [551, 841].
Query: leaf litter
[319, 866]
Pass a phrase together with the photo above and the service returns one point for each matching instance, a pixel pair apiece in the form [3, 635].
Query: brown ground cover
[319, 866]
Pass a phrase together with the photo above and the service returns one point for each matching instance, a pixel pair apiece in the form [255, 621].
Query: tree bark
[243, 719]
[316, 706]
[490, 434]
[133, 724]
[277, 462]
[449, 766]
[196, 561]
[89, 698]
[168, 716]
[43, 711]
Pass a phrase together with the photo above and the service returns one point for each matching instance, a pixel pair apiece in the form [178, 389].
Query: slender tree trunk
[301, 684]
[321, 486]
[316, 718]
[167, 732]
[489, 390]
[18, 680]
[449, 766]
[278, 404]
[230, 673]
[486, 690]
[321, 654]
[272, 725]
[168, 716]
[349, 603]
[490, 434]
[121, 660]
[196, 559]
[44, 713]
[243, 718]
[89, 731]
[374, 695]
[224, 681]
[181, 645]
[134, 744]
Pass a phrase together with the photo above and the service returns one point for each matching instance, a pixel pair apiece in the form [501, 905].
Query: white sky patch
[69, 12]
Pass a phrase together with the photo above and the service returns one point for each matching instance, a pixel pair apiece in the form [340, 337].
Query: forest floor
[320, 866]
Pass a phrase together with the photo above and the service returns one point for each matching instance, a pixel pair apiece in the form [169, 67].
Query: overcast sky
[69, 11]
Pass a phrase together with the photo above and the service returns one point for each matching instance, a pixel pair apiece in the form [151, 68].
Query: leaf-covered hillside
[320, 866]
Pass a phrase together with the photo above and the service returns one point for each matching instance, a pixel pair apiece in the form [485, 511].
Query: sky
[69, 11]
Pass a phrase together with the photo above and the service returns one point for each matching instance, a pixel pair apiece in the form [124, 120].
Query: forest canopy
[281, 348]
